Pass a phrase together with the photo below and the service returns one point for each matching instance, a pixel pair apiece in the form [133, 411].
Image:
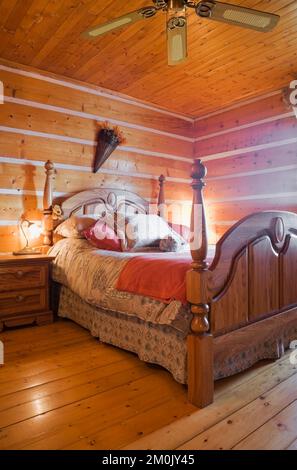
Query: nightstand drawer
[22, 277]
[23, 301]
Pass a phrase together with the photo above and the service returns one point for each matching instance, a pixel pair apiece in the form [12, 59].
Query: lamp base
[27, 251]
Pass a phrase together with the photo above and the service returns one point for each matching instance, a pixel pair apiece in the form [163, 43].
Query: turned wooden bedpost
[161, 198]
[48, 204]
[200, 341]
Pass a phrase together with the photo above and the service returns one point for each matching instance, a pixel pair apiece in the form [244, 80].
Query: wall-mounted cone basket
[107, 141]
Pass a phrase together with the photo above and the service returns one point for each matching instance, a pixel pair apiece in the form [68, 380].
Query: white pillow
[75, 225]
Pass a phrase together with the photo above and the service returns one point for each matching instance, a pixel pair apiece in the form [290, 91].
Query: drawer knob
[20, 274]
[20, 298]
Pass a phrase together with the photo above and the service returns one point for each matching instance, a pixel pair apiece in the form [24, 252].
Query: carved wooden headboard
[99, 201]
[103, 200]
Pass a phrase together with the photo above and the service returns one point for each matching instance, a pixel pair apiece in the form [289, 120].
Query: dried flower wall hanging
[108, 139]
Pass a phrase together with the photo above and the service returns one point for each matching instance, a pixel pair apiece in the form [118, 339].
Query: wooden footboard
[253, 275]
[252, 278]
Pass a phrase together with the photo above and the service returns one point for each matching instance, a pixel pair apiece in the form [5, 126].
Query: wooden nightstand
[24, 290]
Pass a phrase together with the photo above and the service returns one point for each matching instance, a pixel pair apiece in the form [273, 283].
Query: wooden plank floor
[61, 389]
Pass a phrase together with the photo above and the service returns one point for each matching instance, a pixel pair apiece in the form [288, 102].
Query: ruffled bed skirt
[167, 347]
[160, 345]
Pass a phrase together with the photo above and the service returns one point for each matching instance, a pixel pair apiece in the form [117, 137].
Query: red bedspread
[160, 277]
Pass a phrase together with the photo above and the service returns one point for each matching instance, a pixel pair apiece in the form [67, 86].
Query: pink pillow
[182, 230]
[103, 237]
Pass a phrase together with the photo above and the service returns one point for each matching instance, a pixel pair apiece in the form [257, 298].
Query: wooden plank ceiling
[225, 64]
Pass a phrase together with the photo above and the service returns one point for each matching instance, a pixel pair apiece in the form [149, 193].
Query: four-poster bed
[243, 303]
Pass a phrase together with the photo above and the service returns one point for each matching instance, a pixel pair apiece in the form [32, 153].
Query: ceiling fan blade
[237, 15]
[177, 40]
[125, 20]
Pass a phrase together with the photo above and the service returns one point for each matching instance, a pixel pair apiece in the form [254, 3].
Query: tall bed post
[161, 197]
[200, 341]
[48, 204]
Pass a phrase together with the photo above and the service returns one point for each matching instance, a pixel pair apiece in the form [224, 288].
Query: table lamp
[28, 228]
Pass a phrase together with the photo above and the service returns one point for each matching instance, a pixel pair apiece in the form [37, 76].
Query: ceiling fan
[176, 23]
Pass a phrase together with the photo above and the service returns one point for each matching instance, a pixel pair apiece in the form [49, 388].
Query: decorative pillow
[75, 226]
[169, 244]
[103, 237]
[144, 230]
[182, 230]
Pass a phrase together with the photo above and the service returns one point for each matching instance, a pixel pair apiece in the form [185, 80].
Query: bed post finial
[161, 198]
[199, 245]
[200, 341]
[48, 204]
